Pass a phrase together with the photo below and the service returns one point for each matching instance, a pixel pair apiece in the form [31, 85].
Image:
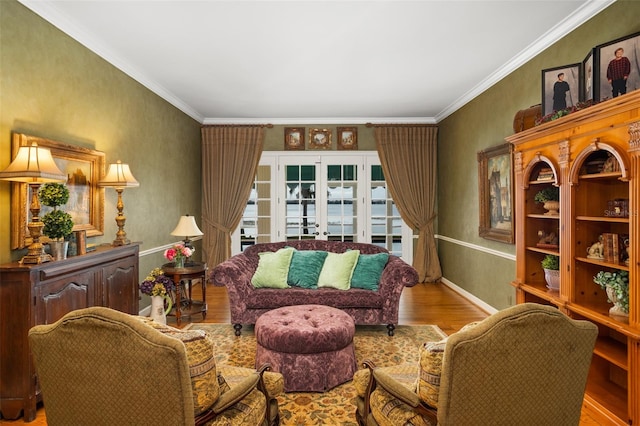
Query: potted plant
[58, 224]
[551, 266]
[616, 284]
[550, 199]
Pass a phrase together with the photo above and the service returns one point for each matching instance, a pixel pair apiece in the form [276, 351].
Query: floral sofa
[377, 305]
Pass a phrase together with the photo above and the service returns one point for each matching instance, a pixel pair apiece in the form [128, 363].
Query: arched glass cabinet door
[541, 227]
[599, 180]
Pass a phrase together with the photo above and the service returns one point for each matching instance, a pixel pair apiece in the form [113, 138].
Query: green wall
[53, 87]
[482, 267]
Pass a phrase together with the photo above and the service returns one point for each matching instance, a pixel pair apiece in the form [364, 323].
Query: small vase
[158, 311]
[59, 249]
[616, 309]
[553, 208]
[552, 277]
[179, 262]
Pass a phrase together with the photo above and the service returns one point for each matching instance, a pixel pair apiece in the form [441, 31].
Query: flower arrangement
[157, 284]
[561, 113]
[178, 253]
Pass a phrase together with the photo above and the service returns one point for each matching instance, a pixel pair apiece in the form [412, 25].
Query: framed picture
[320, 139]
[612, 62]
[495, 177]
[560, 88]
[83, 167]
[294, 138]
[347, 137]
[588, 73]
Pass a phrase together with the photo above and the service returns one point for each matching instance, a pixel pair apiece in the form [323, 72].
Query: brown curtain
[230, 157]
[408, 158]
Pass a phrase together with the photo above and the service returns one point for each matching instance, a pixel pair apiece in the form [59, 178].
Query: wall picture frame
[84, 167]
[320, 139]
[560, 87]
[294, 138]
[604, 54]
[347, 138]
[495, 181]
[587, 87]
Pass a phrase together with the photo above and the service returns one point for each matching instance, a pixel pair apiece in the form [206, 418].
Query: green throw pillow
[273, 268]
[338, 269]
[305, 268]
[368, 271]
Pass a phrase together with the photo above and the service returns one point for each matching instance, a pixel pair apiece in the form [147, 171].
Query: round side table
[182, 278]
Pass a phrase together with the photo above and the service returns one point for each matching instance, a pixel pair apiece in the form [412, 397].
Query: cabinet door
[120, 285]
[55, 298]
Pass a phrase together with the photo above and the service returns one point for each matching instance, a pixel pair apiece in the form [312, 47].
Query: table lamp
[119, 177]
[186, 228]
[34, 165]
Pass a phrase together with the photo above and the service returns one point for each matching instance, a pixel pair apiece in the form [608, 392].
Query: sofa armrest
[235, 274]
[397, 275]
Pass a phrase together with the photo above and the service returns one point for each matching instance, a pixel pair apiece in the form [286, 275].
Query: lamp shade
[119, 176]
[33, 164]
[187, 227]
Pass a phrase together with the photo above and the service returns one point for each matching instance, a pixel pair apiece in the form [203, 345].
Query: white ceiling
[223, 61]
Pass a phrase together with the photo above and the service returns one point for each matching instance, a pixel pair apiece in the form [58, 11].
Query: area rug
[336, 406]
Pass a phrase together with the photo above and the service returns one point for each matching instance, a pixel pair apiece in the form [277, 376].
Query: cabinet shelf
[543, 251]
[609, 219]
[612, 351]
[602, 263]
[543, 216]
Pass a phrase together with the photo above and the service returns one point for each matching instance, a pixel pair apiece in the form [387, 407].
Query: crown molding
[321, 120]
[570, 23]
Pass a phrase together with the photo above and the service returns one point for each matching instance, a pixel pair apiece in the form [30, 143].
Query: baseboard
[470, 297]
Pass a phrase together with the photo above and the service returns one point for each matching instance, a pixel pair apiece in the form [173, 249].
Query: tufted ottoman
[311, 345]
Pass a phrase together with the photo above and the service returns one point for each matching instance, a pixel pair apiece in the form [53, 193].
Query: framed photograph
[617, 67]
[83, 167]
[588, 73]
[560, 88]
[320, 139]
[347, 137]
[294, 138]
[495, 177]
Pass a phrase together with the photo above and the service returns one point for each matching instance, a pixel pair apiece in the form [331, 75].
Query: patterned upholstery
[247, 303]
[311, 345]
[98, 366]
[525, 365]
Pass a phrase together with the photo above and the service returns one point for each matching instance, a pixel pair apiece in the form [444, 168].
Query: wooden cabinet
[42, 294]
[593, 157]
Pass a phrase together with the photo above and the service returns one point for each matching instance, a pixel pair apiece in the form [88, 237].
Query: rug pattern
[335, 407]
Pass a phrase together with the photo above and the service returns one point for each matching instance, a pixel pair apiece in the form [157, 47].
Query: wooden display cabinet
[41, 294]
[594, 158]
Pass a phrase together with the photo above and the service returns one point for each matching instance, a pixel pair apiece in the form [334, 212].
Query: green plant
[550, 193]
[551, 262]
[618, 281]
[57, 223]
[53, 194]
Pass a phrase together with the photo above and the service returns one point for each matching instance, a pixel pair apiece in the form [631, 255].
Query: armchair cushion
[431, 355]
[202, 365]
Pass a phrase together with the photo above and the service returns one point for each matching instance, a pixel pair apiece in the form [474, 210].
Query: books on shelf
[615, 247]
[545, 173]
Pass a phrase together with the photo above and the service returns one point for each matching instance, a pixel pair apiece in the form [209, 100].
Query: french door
[339, 196]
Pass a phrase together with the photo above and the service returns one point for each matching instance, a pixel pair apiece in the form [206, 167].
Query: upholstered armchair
[525, 365]
[98, 366]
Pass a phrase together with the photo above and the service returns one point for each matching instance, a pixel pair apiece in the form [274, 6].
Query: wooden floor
[422, 304]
